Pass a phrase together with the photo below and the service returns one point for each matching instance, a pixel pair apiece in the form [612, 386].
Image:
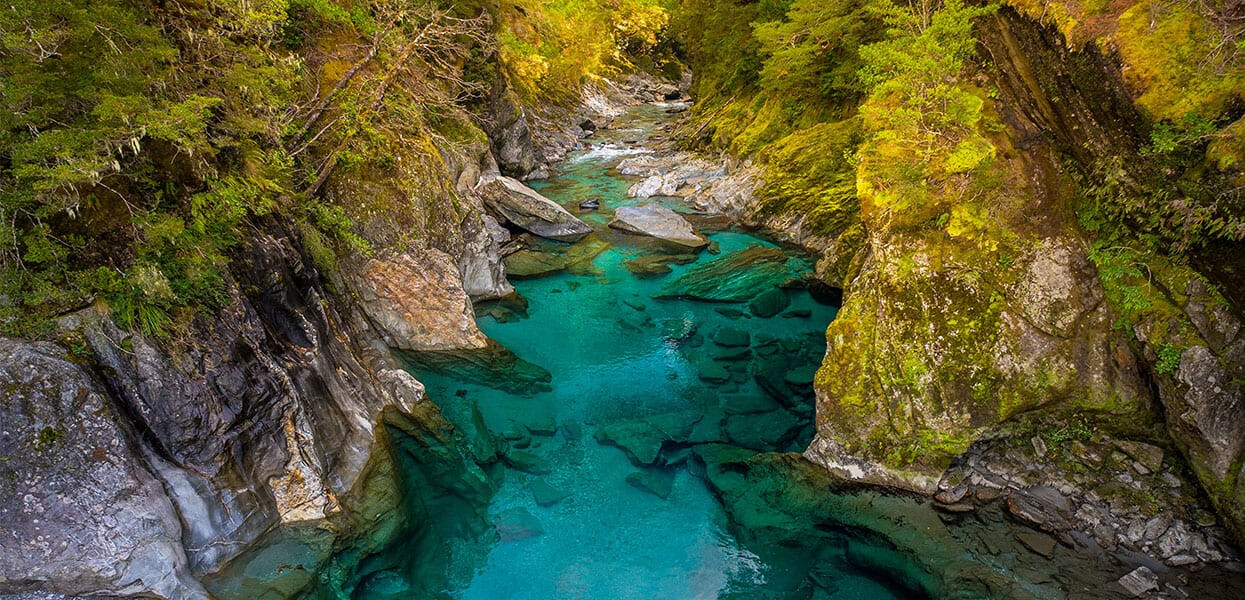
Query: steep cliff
[1010, 198]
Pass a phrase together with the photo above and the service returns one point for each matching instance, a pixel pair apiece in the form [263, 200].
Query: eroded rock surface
[417, 302]
[80, 508]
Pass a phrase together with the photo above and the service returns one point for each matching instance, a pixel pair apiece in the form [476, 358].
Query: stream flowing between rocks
[610, 424]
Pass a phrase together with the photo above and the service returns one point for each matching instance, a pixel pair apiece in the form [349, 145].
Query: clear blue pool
[614, 354]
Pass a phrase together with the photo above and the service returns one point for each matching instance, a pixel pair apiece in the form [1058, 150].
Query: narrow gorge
[622, 299]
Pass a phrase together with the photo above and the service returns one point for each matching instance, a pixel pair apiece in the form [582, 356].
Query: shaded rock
[769, 303]
[736, 277]
[526, 209]
[802, 375]
[658, 482]
[417, 302]
[1139, 581]
[1148, 455]
[517, 524]
[762, 431]
[545, 494]
[657, 221]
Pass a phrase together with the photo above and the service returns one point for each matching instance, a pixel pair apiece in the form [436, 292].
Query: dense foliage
[137, 138]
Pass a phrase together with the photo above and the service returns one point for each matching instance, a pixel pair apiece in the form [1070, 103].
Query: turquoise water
[615, 356]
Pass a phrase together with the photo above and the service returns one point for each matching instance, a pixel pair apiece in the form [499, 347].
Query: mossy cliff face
[988, 290]
[975, 299]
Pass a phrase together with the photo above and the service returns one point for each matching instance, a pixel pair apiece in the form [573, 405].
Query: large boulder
[79, 508]
[657, 221]
[417, 302]
[528, 210]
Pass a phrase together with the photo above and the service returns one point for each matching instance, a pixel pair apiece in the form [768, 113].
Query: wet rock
[657, 221]
[80, 509]
[1037, 542]
[658, 482]
[531, 264]
[731, 337]
[517, 524]
[417, 302]
[736, 277]
[545, 494]
[769, 303]
[526, 209]
[590, 204]
[1139, 581]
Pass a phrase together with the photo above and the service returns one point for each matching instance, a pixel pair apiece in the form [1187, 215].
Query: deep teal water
[614, 352]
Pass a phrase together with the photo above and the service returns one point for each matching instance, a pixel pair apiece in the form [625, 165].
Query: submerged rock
[658, 482]
[545, 494]
[736, 277]
[517, 524]
[650, 266]
[527, 462]
[493, 366]
[530, 264]
[731, 337]
[769, 303]
[657, 221]
[526, 209]
[641, 439]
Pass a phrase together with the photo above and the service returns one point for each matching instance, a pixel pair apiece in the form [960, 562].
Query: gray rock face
[523, 207]
[657, 221]
[510, 134]
[1204, 398]
[79, 509]
[264, 420]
